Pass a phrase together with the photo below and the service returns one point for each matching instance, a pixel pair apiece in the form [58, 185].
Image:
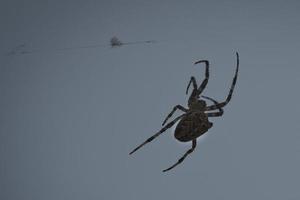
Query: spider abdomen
[192, 126]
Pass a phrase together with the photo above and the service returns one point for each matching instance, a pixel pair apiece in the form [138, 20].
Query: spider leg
[172, 112]
[184, 156]
[220, 105]
[214, 114]
[169, 125]
[205, 81]
[193, 80]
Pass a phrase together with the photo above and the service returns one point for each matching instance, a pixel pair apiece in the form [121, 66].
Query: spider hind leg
[184, 156]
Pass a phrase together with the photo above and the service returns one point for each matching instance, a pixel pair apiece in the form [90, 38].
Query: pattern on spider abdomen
[192, 126]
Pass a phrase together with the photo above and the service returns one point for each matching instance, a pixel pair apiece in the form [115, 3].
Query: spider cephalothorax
[194, 122]
[197, 104]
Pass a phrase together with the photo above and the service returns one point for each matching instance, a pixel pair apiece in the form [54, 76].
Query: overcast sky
[69, 118]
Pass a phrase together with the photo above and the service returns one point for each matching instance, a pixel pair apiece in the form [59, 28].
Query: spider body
[192, 126]
[195, 120]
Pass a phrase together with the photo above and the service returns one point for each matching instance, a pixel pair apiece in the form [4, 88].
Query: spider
[194, 122]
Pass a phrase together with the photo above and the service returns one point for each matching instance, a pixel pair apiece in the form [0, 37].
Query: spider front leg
[220, 105]
[193, 80]
[205, 81]
[214, 114]
[184, 156]
[169, 125]
[180, 107]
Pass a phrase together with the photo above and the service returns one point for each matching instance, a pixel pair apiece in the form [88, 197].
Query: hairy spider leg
[205, 81]
[214, 114]
[169, 125]
[180, 107]
[197, 91]
[193, 80]
[213, 107]
[184, 156]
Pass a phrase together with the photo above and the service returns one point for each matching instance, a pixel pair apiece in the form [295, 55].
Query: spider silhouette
[194, 122]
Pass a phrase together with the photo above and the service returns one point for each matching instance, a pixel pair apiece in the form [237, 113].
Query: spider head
[197, 104]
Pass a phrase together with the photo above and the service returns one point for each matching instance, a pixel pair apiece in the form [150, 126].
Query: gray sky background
[69, 118]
